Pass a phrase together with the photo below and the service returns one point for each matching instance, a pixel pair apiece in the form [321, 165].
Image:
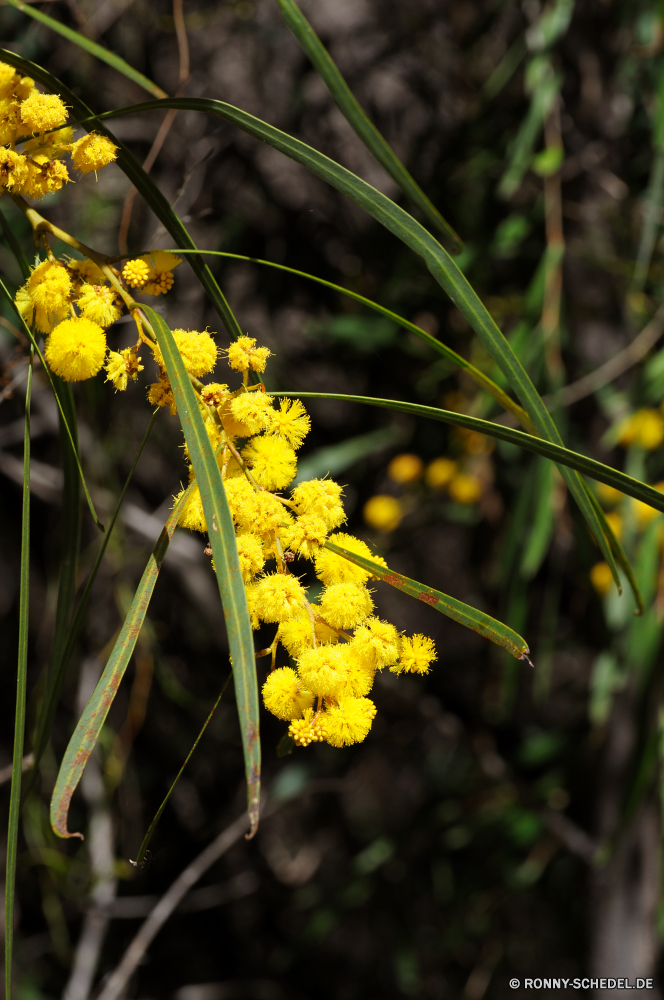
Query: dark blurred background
[498, 821]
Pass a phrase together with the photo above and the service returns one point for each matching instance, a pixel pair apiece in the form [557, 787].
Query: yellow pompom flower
[417, 655]
[349, 721]
[383, 513]
[321, 497]
[272, 462]
[601, 578]
[239, 493]
[250, 556]
[298, 633]
[440, 473]
[243, 355]
[285, 695]
[43, 112]
[75, 349]
[644, 428]
[161, 264]
[258, 512]
[306, 730]
[99, 303]
[7, 74]
[161, 394]
[135, 273]
[291, 422]
[324, 670]
[345, 605]
[215, 394]
[376, 644]
[93, 152]
[122, 366]
[465, 489]
[192, 515]
[198, 350]
[85, 272]
[45, 295]
[45, 176]
[405, 468]
[253, 410]
[13, 169]
[23, 87]
[360, 675]
[278, 596]
[306, 536]
[331, 568]
[10, 113]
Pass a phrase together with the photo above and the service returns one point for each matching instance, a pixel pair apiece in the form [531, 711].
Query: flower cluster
[36, 122]
[336, 643]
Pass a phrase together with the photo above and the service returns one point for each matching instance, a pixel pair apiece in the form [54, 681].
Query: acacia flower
[244, 355]
[272, 461]
[122, 366]
[284, 694]
[291, 422]
[41, 112]
[250, 555]
[13, 169]
[321, 497]
[278, 597]
[99, 303]
[345, 605]
[135, 273]
[331, 568]
[383, 513]
[75, 349]
[417, 655]
[253, 410]
[93, 152]
[324, 670]
[298, 633]
[161, 264]
[349, 721]
[376, 643]
[306, 730]
[45, 295]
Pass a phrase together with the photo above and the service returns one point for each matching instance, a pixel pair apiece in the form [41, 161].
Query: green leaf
[476, 620]
[21, 696]
[224, 548]
[141, 181]
[89, 725]
[98, 51]
[358, 120]
[15, 246]
[557, 453]
[336, 458]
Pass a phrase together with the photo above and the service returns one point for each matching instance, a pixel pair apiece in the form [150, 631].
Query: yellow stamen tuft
[41, 112]
[135, 273]
[75, 349]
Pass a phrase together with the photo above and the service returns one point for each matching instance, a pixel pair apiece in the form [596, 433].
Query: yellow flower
[10, 113]
[198, 350]
[417, 654]
[405, 468]
[161, 264]
[344, 605]
[643, 512]
[349, 721]
[93, 152]
[45, 295]
[285, 695]
[244, 355]
[306, 730]
[324, 670]
[440, 472]
[161, 394]
[23, 87]
[122, 366]
[383, 512]
[215, 394]
[306, 536]
[53, 145]
[601, 578]
[86, 272]
[272, 462]
[13, 169]
[331, 568]
[250, 555]
[192, 515]
[44, 176]
[136, 273]
[644, 428]
[297, 633]
[608, 494]
[7, 74]
[376, 644]
[99, 303]
[360, 675]
[321, 497]
[615, 522]
[291, 422]
[254, 410]
[465, 489]
[258, 512]
[42, 112]
[278, 596]
[75, 349]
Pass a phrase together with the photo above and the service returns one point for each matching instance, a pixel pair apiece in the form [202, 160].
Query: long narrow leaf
[94, 49]
[88, 728]
[358, 120]
[557, 453]
[21, 696]
[441, 265]
[466, 615]
[227, 566]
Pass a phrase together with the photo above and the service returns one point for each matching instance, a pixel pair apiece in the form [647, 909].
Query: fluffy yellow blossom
[601, 578]
[122, 366]
[192, 515]
[298, 633]
[465, 489]
[291, 422]
[331, 568]
[45, 295]
[259, 512]
[376, 643]
[405, 468]
[161, 264]
[93, 152]
[324, 670]
[285, 695]
[440, 472]
[349, 721]
[7, 74]
[253, 410]
[10, 114]
[306, 730]
[99, 303]
[272, 461]
[278, 596]
[644, 428]
[215, 394]
[45, 176]
[417, 655]
[135, 273]
[383, 513]
[55, 144]
[75, 349]
[360, 675]
[250, 555]
[306, 536]
[42, 112]
[160, 393]
[13, 169]
[321, 497]
[198, 350]
[85, 272]
[345, 605]
[244, 355]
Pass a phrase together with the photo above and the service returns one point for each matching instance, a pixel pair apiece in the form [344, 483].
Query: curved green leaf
[98, 51]
[359, 121]
[557, 453]
[476, 620]
[88, 728]
[224, 549]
